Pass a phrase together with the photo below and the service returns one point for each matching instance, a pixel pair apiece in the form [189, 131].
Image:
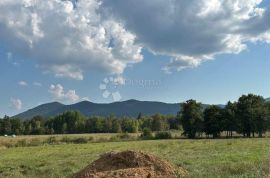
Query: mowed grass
[202, 158]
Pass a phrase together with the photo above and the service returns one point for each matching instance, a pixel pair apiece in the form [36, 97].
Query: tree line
[71, 122]
[249, 116]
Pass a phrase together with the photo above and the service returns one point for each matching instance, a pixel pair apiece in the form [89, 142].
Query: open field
[202, 158]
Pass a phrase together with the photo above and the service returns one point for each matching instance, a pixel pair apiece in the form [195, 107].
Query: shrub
[124, 136]
[66, 139]
[147, 134]
[114, 138]
[80, 140]
[163, 135]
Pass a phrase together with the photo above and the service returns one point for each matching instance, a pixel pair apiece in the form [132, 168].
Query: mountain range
[130, 108]
[124, 108]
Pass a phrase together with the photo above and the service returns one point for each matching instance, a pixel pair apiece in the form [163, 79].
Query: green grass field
[202, 158]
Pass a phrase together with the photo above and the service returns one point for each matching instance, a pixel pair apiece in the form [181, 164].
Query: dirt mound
[129, 164]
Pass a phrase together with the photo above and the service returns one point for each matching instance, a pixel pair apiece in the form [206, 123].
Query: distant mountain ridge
[130, 108]
[124, 108]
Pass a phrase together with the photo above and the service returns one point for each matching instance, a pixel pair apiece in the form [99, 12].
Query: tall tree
[191, 118]
[251, 112]
[6, 125]
[230, 122]
[212, 121]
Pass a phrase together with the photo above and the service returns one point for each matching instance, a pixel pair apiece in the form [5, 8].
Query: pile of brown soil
[130, 164]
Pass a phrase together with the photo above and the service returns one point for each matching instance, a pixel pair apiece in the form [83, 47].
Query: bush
[66, 139]
[124, 136]
[163, 135]
[147, 134]
[80, 140]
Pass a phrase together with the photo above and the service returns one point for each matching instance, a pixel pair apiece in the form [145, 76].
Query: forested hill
[125, 108]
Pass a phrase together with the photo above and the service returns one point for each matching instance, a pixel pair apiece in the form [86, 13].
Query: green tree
[37, 124]
[212, 121]
[191, 118]
[129, 125]
[16, 126]
[230, 123]
[159, 123]
[116, 126]
[251, 110]
[6, 125]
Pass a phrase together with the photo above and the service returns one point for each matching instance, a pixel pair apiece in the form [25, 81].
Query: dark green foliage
[253, 115]
[124, 136]
[212, 121]
[129, 125]
[230, 122]
[147, 133]
[159, 123]
[191, 118]
[6, 126]
[163, 135]
[80, 140]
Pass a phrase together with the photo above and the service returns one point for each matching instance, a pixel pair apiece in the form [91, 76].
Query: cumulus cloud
[67, 38]
[23, 83]
[16, 103]
[58, 93]
[193, 31]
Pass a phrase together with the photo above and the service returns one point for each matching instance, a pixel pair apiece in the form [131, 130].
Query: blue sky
[172, 63]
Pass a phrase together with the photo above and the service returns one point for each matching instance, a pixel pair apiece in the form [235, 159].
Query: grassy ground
[202, 158]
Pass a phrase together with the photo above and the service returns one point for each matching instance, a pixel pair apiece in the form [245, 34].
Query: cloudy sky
[105, 51]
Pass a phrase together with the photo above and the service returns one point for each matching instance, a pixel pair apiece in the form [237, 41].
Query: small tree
[147, 133]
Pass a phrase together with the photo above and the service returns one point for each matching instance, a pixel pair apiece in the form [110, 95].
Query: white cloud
[37, 84]
[193, 31]
[67, 39]
[57, 92]
[182, 62]
[16, 103]
[23, 83]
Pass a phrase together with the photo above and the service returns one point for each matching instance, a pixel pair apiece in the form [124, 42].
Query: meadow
[241, 157]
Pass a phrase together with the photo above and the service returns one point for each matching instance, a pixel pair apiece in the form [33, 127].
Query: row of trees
[74, 122]
[249, 116]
